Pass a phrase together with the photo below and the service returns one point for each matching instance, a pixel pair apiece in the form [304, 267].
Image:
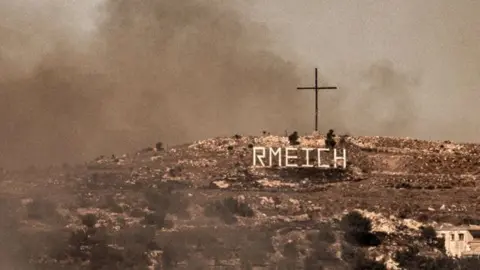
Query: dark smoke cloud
[177, 71]
[383, 103]
[173, 71]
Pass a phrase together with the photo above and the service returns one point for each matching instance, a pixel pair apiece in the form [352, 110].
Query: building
[461, 240]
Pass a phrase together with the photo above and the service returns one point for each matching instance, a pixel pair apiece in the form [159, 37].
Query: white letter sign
[287, 157]
[276, 153]
[319, 160]
[307, 157]
[344, 158]
[291, 159]
[260, 157]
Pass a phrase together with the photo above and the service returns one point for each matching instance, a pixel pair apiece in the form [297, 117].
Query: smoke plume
[170, 71]
[138, 72]
[429, 48]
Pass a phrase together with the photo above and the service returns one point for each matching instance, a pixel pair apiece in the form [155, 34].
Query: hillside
[203, 206]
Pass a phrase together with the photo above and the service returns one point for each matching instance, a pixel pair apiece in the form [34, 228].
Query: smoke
[170, 71]
[382, 103]
[97, 77]
[432, 47]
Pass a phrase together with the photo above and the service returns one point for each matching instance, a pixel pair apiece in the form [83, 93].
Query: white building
[460, 240]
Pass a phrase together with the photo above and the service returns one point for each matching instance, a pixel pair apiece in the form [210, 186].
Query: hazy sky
[435, 42]
[83, 78]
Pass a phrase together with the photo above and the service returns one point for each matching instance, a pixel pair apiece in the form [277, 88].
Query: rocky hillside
[204, 206]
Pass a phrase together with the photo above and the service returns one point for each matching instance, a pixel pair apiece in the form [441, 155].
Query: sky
[432, 42]
[83, 78]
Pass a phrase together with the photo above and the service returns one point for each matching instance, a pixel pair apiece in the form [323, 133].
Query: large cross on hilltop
[316, 88]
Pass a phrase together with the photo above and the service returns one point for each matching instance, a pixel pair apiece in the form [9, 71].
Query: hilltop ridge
[209, 189]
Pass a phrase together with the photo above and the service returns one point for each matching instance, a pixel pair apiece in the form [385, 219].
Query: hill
[204, 206]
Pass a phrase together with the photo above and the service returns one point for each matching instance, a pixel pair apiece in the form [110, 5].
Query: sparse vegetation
[470, 221]
[41, 209]
[324, 233]
[227, 209]
[111, 204]
[356, 258]
[159, 146]
[290, 254]
[322, 254]
[89, 220]
[164, 199]
[135, 215]
[147, 149]
[158, 219]
[428, 234]
[410, 259]
[357, 230]
[293, 138]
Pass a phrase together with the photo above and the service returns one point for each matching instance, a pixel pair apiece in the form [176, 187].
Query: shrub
[89, 220]
[369, 264]
[146, 150]
[227, 208]
[169, 257]
[255, 250]
[324, 234]
[180, 207]
[321, 255]
[217, 209]
[137, 212]
[357, 230]
[407, 257]
[404, 212]
[440, 244]
[157, 218]
[290, 252]
[471, 221]
[175, 171]
[157, 201]
[159, 146]
[102, 257]
[354, 221]
[358, 260]
[349, 253]
[470, 263]
[423, 217]
[94, 246]
[428, 233]
[238, 208]
[41, 209]
[165, 200]
[111, 204]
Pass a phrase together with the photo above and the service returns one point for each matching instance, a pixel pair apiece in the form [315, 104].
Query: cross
[316, 88]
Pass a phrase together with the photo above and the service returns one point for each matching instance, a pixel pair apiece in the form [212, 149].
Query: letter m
[273, 153]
